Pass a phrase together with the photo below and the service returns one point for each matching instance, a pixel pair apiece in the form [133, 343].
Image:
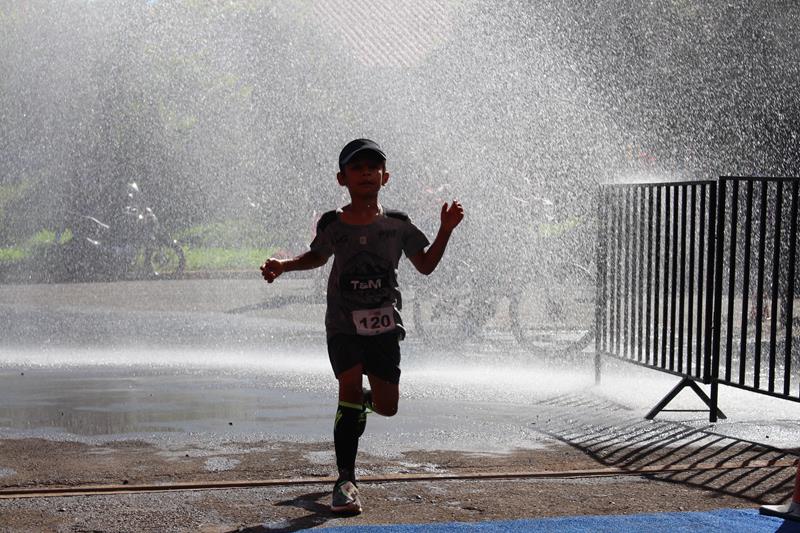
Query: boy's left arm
[427, 260]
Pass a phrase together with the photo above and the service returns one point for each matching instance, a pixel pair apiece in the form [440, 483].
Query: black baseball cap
[356, 147]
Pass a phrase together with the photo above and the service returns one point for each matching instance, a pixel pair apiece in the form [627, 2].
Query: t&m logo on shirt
[366, 284]
[365, 292]
[366, 281]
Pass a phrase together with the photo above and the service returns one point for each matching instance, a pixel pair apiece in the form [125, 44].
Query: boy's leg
[382, 364]
[350, 382]
[385, 395]
[346, 354]
[347, 427]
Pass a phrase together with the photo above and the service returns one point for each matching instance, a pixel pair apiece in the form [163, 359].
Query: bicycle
[558, 314]
[545, 302]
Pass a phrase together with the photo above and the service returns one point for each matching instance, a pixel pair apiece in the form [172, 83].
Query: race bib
[374, 321]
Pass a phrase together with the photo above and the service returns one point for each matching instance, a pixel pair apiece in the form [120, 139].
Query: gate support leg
[686, 382]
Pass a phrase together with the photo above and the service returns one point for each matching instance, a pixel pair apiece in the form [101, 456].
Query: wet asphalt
[178, 346]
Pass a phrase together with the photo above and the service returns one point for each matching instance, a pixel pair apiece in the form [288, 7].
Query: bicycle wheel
[553, 311]
[166, 260]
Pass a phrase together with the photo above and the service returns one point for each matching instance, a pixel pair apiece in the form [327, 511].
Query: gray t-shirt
[363, 295]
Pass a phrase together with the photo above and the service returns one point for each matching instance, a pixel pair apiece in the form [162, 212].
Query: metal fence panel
[758, 285]
[653, 275]
[699, 279]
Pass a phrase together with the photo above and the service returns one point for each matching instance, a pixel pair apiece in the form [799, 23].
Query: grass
[196, 258]
[37, 242]
[12, 254]
[204, 247]
[226, 258]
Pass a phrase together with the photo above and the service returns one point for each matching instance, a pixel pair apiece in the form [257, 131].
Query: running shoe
[345, 498]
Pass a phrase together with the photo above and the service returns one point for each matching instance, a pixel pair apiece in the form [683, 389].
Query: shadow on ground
[609, 437]
[319, 513]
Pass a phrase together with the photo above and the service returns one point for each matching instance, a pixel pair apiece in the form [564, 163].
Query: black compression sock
[346, 431]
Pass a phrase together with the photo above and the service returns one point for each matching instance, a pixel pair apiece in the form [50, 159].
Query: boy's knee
[385, 410]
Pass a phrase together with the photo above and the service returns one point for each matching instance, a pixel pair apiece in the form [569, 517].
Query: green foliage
[12, 255]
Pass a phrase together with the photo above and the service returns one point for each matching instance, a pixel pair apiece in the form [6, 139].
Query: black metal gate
[757, 284]
[698, 279]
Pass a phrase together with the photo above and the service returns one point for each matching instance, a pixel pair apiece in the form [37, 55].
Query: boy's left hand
[452, 216]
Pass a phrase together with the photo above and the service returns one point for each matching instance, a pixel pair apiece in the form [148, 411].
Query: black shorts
[378, 354]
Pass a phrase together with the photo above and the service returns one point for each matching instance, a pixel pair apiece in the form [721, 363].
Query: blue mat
[723, 520]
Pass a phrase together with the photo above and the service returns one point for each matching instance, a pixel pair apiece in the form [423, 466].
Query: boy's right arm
[272, 268]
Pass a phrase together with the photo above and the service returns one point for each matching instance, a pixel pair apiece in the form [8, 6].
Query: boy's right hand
[271, 269]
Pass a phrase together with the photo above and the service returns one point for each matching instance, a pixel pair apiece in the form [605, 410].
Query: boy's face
[364, 175]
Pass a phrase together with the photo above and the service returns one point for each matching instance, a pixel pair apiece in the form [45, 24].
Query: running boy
[362, 321]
